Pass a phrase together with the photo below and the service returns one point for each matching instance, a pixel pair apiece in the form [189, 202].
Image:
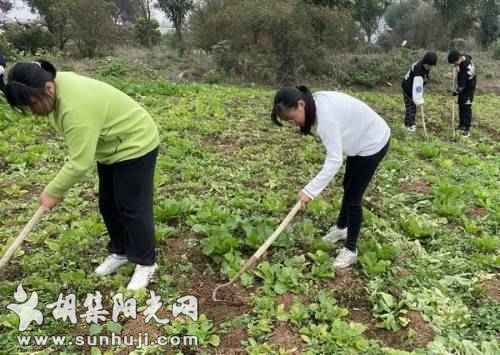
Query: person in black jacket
[3, 64]
[413, 87]
[465, 87]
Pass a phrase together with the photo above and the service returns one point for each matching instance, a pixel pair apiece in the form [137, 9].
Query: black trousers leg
[132, 189]
[361, 171]
[109, 210]
[465, 109]
[343, 217]
[411, 110]
[134, 182]
[465, 116]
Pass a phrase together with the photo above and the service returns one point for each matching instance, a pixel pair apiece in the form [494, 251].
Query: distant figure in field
[413, 87]
[465, 87]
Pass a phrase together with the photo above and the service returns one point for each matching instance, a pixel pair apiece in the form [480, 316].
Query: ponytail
[310, 109]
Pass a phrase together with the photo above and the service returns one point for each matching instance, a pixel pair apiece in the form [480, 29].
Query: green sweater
[98, 122]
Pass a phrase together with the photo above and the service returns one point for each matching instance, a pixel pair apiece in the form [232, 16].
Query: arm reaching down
[81, 139]
[332, 139]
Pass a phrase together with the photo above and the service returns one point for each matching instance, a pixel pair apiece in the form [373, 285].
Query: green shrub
[5, 47]
[94, 30]
[369, 70]
[415, 21]
[147, 32]
[29, 39]
[272, 39]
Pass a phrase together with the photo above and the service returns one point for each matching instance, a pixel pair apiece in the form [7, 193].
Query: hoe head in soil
[260, 251]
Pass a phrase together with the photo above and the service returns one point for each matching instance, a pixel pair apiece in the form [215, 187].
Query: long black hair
[430, 58]
[287, 98]
[453, 56]
[26, 81]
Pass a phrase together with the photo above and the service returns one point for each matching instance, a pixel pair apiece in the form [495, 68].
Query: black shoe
[465, 133]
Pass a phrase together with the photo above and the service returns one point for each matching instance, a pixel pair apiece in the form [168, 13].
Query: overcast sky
[20, 11]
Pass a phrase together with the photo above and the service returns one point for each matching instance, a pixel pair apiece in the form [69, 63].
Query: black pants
[465, 100]
[358, 174]
[126, 205]
[410, 110]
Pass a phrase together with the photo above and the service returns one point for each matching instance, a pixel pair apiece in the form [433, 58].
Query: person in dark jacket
[413, 87]
[465, 87]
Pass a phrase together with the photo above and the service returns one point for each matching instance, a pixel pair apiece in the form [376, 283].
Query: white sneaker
[335, 234]
[345, 258]
[142, 276]
[411, 128]
[111, 264]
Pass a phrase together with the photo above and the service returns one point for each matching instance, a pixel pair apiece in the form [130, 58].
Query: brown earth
[420, 186]
[286, 300]
[423, 331]
[492, 288]
[285, 338]
[350, 293]
[477, 212]
[222, 144]
[488, 87]
[236, 297]
[231, 343]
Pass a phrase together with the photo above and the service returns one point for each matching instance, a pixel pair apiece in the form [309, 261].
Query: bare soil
[492, 288]
[286, 338]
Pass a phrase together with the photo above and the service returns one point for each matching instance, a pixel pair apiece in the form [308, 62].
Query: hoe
[20, 238]
[255, 257]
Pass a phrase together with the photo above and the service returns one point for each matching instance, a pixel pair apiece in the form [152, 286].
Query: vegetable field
[427, 280]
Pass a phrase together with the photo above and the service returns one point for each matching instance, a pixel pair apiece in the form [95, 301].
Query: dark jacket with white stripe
[414, 81]
[466, 78]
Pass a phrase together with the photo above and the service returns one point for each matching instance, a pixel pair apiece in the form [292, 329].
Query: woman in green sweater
[99, 123]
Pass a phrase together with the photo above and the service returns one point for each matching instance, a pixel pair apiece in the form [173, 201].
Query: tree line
[94, 26]
[249, 37]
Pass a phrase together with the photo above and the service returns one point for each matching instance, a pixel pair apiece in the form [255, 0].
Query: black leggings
[465, 109]
[410, 110]
[465, 116]
[126, 205]
[358, 174]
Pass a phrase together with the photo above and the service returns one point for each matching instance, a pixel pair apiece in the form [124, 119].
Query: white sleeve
[2, 70]
[418, 90]
[332, 140]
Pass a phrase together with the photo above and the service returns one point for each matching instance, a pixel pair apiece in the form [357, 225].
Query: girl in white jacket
[346, 126]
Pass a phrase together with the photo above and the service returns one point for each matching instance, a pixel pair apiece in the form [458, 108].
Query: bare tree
[127, 10]
[457, 15]
[146, 7]
[5, 5]
[93, 26]
[176, 11]
[368, 13]
[57, 16]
